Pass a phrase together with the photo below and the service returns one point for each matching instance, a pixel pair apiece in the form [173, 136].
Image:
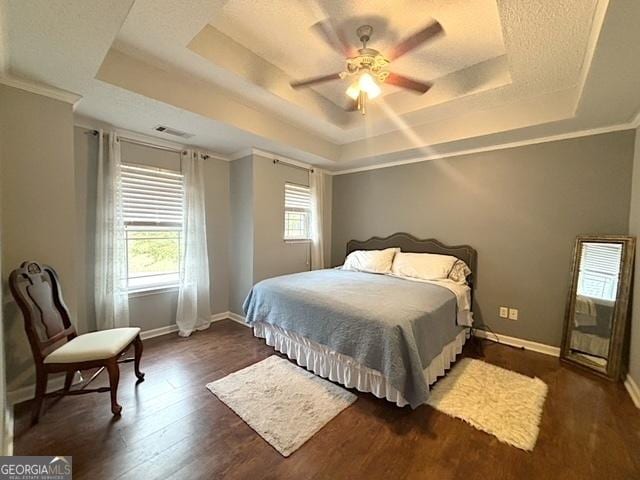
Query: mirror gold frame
[618, 342]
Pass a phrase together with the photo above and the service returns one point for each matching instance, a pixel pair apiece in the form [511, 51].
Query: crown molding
[245, 152]
[40, 89]
[281, 158]
[93, 124]
[271, 156]
[630, 125]
[635, 123]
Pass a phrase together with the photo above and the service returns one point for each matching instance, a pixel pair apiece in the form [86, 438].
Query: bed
[381, 334]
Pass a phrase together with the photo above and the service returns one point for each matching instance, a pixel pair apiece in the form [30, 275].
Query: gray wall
[38, 207]
[85, 150]
[258, 250]
[218, 211]
[521, 209]
[241, 234]
[634, 229]
[148, 310]
[272, 255]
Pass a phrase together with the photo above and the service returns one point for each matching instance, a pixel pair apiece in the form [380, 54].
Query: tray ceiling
[507, 69]
[279, 31]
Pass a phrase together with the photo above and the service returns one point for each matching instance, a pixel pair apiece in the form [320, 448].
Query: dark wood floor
[173, 427]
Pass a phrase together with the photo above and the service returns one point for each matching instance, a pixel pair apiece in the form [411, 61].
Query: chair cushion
[93, 346]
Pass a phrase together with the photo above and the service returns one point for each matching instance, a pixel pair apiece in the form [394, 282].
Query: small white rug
[503, 403]
[284, 403]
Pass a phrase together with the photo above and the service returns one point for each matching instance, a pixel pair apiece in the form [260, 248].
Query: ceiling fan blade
[334, 37]
[408, 83]
[314, 80]
[430, 32]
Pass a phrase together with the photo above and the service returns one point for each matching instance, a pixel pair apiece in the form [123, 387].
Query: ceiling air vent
[172, 131]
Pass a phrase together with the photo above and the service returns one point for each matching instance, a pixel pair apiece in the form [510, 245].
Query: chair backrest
[36, 289]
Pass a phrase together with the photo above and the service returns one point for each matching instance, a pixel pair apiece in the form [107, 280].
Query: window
[297, 212]
[599, 269]
[153, 209]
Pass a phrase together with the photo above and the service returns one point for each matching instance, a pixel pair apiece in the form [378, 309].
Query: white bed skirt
[346, 370]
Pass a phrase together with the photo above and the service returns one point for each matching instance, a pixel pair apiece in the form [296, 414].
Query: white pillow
[425, 266]
[459, 272]
[372, 261]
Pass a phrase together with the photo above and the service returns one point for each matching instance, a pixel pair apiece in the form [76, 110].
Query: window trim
[300, 240]
[159, 289]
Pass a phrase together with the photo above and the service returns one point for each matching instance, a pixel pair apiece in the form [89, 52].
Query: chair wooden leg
[114, 379]
[137, 345]
[41, 390]
[68, 380]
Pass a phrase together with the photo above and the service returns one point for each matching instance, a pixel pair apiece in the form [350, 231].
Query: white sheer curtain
[316, 184]
[194, 310]
[111, 296]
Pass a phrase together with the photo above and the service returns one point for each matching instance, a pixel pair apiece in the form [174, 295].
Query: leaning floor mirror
[597, 315]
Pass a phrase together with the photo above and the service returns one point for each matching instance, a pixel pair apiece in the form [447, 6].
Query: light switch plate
[513, 314]
[504, 312]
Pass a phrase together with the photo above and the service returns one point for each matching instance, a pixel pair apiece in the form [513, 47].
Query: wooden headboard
[409, 243]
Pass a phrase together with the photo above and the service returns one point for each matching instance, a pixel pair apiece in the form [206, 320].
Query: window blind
[152, 197]
[297, 211]
[297, 197]
[601, 258]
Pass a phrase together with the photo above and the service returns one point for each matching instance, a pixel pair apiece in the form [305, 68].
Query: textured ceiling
[61, 42]
[280, 32]
[546, 44]
[544, 68]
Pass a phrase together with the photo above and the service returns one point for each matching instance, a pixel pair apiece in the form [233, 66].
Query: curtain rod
[276, 161]
[146, 144]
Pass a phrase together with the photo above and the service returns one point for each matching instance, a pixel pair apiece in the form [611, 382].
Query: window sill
[298, 240]
[142, 292]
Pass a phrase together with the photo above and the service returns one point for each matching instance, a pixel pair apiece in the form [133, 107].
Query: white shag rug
[503, 403]
[285, 404]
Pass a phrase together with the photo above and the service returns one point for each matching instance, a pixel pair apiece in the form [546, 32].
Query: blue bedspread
[388, 324]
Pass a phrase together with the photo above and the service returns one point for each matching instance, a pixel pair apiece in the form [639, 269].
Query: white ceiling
[505, 71]
[473, 35]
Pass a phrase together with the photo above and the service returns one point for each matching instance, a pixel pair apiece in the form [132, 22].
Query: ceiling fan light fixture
[369, 85]
[353, 91]
[365, 83]
[368, 65]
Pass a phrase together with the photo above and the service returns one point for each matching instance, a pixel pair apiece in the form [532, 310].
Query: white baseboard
[216, 317]
[238, 319]
[633, 389]
[629, 383]
[27, 393]
[518, 342]
[158, 332]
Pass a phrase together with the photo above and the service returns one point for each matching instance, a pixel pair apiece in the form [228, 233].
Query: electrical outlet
[504, 312]
[513, 314]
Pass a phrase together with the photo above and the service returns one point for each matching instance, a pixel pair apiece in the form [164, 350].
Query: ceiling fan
[368, 66]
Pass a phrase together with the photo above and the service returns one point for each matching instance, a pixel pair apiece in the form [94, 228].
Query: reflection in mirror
[596, 290]
[596, 321]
